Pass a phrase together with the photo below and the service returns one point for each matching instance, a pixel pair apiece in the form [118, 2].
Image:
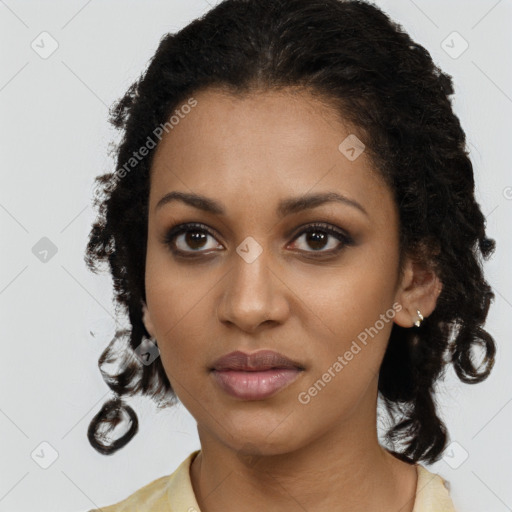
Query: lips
[255, 376]
[259, 361]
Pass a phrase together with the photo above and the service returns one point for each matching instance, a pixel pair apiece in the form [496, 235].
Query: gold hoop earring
[420, 318]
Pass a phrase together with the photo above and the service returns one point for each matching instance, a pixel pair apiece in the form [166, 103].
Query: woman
[293, 232]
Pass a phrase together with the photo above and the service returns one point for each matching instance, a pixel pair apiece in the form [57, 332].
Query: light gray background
[57, 317]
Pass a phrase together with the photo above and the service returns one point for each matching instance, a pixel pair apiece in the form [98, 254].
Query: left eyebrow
[297, 204]
[286, 206]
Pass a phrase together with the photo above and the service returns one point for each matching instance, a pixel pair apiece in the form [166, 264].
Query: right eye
[187, 239]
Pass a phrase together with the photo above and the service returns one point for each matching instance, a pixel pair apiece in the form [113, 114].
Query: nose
[254, 294]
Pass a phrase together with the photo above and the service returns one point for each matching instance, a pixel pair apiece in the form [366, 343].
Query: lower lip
[255, 385]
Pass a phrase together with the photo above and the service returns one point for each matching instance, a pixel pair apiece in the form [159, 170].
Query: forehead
[279, 142]
[272, 119]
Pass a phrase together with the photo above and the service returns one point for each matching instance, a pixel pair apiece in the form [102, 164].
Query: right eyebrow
[197, 201]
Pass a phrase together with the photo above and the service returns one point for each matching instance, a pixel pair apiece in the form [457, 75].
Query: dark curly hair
[353, 57]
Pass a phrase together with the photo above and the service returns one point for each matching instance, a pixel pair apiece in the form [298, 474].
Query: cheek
[349, 312]
[351, 295]
[178, 305]
[346, 358]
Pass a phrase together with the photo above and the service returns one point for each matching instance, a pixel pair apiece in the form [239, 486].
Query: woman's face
[252, 278]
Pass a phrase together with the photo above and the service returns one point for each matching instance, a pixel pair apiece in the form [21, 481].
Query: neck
[344, 469]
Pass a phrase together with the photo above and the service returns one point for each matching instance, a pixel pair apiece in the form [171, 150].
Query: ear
[418, 289]
[146, 319]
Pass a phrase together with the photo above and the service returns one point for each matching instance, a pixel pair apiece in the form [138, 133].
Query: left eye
[317, 237]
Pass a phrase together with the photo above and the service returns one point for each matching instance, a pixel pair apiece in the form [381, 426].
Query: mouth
[255, 376]
[257, 362]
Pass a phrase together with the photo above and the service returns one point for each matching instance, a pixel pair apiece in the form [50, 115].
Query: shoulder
[168, 493]
[432, 492]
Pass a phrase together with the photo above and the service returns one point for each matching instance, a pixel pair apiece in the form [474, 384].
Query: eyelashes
[190, 240]
[181, 229]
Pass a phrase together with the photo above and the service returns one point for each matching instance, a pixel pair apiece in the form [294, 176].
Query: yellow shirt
[174, 493]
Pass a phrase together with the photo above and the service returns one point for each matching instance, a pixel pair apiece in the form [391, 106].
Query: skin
[278, 454]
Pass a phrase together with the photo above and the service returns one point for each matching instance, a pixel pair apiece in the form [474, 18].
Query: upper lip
[258, 361]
